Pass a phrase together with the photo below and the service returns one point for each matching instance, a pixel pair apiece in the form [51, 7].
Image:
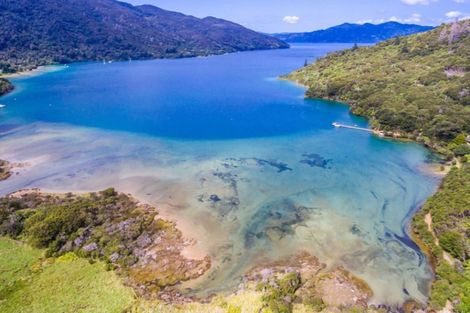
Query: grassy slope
[30, 283]
[127, 235]
[402, 84]
[107, 226]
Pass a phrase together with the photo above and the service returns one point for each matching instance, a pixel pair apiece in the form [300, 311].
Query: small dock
[339, 125]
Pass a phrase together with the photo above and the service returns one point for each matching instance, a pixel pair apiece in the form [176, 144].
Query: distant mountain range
[37, 32]
[359, 33]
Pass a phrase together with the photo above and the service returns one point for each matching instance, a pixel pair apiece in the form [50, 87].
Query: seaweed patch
[315, 160]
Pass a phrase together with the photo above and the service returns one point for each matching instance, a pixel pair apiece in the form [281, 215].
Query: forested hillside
[363, 33]
[444, 225]
[39, 32]
[416, 86]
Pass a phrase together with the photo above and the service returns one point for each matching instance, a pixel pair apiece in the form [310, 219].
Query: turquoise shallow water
[248, 167]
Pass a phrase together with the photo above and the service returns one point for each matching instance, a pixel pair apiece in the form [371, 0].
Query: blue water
[222, 97]
[246, 166]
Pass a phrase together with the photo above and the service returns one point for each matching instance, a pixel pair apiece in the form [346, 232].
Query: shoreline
[391, 135]
[158, 236]
[431, 168]
[42, 69]
[190, 251]
[336, 286]
[183, 225]
[142, 196]
[179, 224]
[29, 73]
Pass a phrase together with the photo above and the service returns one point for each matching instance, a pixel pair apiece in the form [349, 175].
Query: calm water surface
[245, 165]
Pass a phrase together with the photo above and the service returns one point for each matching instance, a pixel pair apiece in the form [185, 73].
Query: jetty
[339, 125]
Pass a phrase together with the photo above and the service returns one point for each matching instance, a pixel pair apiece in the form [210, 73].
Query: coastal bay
[270, 182]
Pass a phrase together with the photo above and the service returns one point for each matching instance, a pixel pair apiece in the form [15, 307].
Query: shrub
[461, 150]
[453, 243]
[54, 223]
[280, 293]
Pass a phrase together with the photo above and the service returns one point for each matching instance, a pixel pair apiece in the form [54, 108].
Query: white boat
[2, 106]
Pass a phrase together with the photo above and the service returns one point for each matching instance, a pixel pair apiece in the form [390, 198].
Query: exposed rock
[340, 288]
[5, 170]
[144, 249]
[334, 288]
[451, 72]
[90, 247]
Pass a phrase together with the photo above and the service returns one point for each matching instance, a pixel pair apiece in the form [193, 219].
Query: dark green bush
[453, 243]
[52, 224]
[280, 293]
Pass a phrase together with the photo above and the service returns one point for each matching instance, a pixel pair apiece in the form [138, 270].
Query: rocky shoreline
[5, 170]
[311, 284]
[5, 86]
[145, 250]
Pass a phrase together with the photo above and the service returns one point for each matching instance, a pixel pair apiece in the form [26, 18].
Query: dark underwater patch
[275, 221]
[315, 160]
[278, 165]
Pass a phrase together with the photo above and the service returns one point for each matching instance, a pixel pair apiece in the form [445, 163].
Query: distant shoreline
[36, 71]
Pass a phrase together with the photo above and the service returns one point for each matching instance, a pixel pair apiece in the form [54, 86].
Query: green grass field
[31, 283]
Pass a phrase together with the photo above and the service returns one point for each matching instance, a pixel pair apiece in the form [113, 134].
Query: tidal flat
[248, 186]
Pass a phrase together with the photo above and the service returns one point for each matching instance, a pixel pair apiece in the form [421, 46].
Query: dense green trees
[352, 33]
[416, 86]
[52, 225]
[55, 223]
[449, 210]
[107, 225]
[42, 32]
[5, 86]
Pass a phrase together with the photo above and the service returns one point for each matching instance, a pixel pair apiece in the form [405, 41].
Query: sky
[272, 16]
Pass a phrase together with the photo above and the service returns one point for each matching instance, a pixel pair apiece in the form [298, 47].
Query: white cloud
[421, 2]
[460, 1]
[453, 14]
[414, 18]
[291, 19]
[365, 21]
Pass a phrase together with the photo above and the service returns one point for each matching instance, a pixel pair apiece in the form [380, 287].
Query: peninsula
[418, 88]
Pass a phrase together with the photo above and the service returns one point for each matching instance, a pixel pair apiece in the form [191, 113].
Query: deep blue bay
[247, 166]
[219, 97]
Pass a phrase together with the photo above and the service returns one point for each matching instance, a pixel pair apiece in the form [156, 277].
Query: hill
[442, 225]
[352, 33]
[416, 87]
[38, 32]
